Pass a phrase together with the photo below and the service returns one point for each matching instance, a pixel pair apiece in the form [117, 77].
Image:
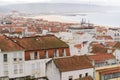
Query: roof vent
[37, 39]
[6, 38]
[20, 37]
[14, 40]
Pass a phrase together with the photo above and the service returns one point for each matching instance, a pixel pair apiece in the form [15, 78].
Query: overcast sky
[101, 2]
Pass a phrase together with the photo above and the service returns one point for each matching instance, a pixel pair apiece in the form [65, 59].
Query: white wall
[73, 50]
[76, 73]
[66, 35]
[36, 68]
[52, 71]
[10, 63]
[117, 54]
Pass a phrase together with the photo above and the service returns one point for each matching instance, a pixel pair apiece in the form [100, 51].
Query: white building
[22, 58]
[114, 33]
[69, 68]
[84, 29]
[11, 59]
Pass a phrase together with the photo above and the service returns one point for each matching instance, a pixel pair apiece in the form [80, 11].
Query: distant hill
[56, 8]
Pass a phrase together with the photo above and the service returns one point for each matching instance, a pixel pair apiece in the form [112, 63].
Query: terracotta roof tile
[111, 44]
[72, 63]
[19, 30]
[109, 70]
[104, 37]
[101, 57]
[40, 42]
[7, 45]
[96, 49]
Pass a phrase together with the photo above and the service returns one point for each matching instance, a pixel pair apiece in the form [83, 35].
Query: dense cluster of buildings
[38, 49]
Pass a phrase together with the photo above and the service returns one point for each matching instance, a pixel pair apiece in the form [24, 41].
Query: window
[20, 56]
[80, 76]
[38, 66]
[46, 54]
[70, 78]
[15, 69]
[36, 55]
[56, 53]
[86, 74]
[20, 68]
[117, 34]
[63, 52]
[5, 57]
[31, 55]
[33, 67]
[5, 70]
[15, 56]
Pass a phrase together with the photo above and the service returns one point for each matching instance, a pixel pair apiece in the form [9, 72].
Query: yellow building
[111, 72]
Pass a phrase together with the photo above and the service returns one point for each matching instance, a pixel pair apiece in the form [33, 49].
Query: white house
[11, 59]
[26, 57]
[69, 68]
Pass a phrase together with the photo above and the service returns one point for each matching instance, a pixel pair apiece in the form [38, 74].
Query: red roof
[104, 37]
[111, 44]
[109, 70]
[40, 42]
[98, 48]
[101, 57]
[19, 29]
[8, 45]
[72, 63]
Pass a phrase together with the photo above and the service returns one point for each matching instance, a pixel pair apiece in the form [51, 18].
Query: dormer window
[36, 55]
[63, 52]
[46, 54]
[56, 53]
[31, 55]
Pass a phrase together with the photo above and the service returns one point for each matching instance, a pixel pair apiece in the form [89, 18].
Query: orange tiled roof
[109, 70]
[104, 37]
[40, 42]
[100, 49]
[110, 43]
[72, 63]
[19, 30]
[7, 45]
[101, 57]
